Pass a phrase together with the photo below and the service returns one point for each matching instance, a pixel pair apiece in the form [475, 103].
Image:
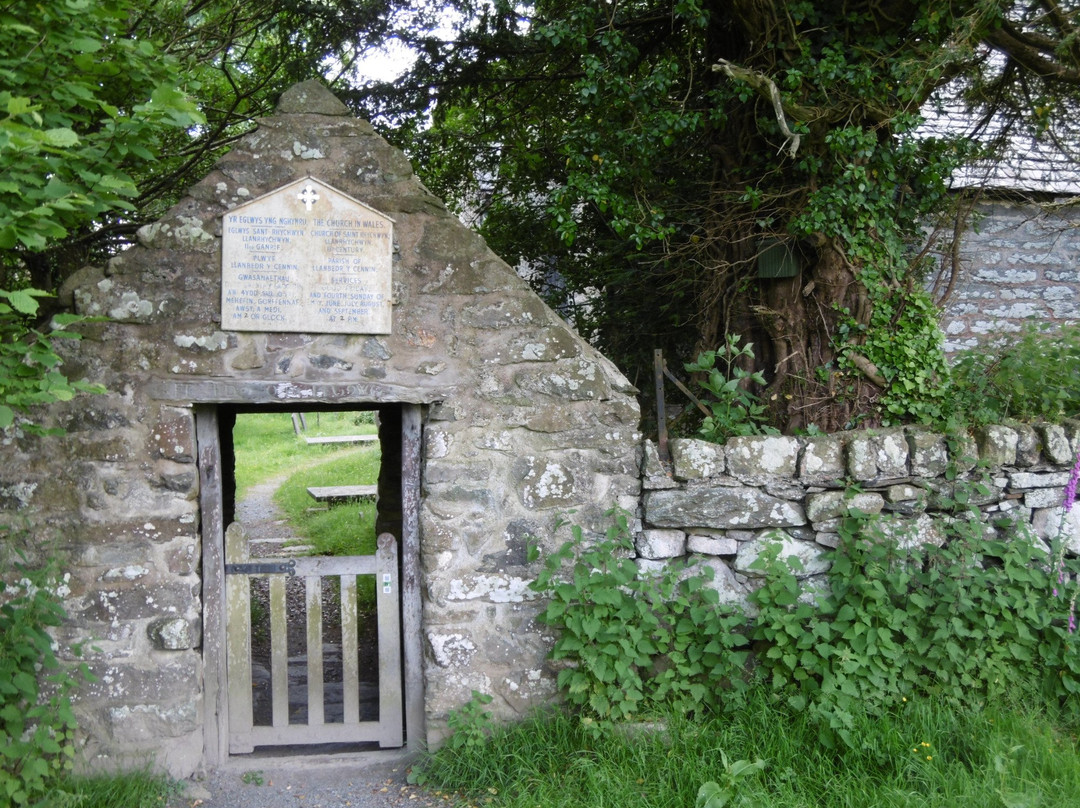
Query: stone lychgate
[496, 418]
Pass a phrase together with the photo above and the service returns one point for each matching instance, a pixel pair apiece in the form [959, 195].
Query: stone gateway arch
[495, 419]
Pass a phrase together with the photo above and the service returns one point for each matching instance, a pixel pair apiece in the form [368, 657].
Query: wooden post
[410, 577]
[215, 719]
[388, 613]
[661, 412]
[238, 639]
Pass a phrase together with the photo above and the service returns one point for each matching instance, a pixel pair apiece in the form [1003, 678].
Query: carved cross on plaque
[308, 196]
[284, 268]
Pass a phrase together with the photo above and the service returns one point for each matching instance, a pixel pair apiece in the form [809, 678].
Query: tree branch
[868, 368]
[1012, 43]
[767, 88]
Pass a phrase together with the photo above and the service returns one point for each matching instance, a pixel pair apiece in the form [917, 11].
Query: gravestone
[522, 421]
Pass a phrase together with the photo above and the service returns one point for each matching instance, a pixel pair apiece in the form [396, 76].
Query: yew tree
[674, 171]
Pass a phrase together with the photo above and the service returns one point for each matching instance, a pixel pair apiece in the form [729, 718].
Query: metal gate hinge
[262, 568]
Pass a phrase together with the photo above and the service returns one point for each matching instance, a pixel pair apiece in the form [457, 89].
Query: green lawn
[919, 755]
[267, 448]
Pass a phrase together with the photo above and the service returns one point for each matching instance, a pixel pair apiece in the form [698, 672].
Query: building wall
[1019, 264]
[523, 421]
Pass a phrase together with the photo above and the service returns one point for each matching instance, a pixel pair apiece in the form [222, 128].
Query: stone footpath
[363, 780]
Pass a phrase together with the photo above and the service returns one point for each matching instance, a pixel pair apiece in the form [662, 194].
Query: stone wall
[1019, 265]
[522, 421]
[724, 504]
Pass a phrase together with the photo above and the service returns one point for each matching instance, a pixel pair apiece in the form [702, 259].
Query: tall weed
[633, 643]
[965, 622]
[1028, 375]
[37, 724]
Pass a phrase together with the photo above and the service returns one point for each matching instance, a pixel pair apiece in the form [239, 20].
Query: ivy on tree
[640, 155]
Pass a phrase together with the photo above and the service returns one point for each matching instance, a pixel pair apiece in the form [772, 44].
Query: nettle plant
[967, 621]
[635, 643]
[988, 612]
[735, 409]
[37, 724]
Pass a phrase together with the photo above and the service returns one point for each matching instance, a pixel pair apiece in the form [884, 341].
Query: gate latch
[262, 568]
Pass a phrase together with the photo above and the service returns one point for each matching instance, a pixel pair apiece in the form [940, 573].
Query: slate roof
[1050, 166]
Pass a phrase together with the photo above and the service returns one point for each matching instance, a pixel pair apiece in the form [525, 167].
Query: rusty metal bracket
[660, 371]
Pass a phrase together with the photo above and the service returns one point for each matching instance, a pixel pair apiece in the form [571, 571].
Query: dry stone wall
[723, 504]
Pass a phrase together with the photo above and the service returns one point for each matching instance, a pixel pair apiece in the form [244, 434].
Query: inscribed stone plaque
[306, 257]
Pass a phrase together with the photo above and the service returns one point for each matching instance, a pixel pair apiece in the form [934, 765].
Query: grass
[140, 789]
[267, 447]
[920, 755]
[342, 529]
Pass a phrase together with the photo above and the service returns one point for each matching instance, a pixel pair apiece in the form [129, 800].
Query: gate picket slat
[350, 666]
[314, 652]
[389, 618]
[238, 642]
[279, 652]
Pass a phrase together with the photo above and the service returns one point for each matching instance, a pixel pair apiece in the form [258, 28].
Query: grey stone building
[495, 419]
[1020, 262]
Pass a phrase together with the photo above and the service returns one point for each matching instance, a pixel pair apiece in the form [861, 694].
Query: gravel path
[362, 780]
[370, 779]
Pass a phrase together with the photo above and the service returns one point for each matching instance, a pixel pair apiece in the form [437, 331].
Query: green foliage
[968, 621]
[29, 363]
[37, 724]
[1030, 375]
[636, 643]
[83, 104]
[470, 724]
[715, 794]
[926, 753]
[637, 159]
[735, 410]
[904, 342]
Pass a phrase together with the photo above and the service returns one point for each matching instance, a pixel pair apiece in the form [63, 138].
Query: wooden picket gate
[243, 734]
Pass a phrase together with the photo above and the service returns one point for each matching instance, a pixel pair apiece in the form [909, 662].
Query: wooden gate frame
[215, 682]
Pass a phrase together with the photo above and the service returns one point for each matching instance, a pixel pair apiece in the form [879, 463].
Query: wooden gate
[243, 733]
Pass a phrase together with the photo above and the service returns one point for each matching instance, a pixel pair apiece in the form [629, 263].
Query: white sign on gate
[309, 258]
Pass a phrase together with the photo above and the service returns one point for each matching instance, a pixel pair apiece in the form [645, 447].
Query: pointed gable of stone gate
[522, 421]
